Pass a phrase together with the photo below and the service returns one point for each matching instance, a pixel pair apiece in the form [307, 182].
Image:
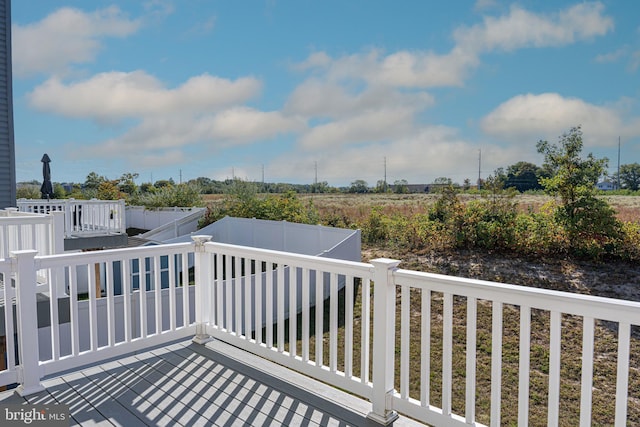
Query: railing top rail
[167, 209]
[279, 257]
[545, 299]
[94, 202]
[62, 201]
[15, 212]
[32, 201]
[109, 255]
[25, 219]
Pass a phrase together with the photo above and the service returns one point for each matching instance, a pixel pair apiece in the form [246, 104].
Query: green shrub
[243, 202]
[538, 234]
[375, 229]
[498, 226]
[28, 192]
[627, 247]
[183, 195]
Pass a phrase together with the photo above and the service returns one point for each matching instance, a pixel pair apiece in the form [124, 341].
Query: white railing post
[58, 232]
[29, 369]
[384, 305]
[68, 227]
[122, 222]
[203, 290]
[57, 248]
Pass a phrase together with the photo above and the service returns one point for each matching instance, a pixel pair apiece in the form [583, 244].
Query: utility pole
[479, 166]
[315, 182]
[618, 185]
[385, 175]
[180, 176]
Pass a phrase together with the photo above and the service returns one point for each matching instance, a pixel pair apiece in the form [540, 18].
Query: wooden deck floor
[191, 385]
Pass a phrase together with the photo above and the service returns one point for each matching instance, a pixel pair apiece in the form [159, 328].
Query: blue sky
[182, 89]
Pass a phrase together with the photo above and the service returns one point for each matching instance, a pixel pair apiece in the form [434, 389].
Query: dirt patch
[607, 279]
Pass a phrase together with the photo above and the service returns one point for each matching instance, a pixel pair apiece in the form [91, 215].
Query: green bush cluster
[494, 223]
[173, 195]
[243, 202]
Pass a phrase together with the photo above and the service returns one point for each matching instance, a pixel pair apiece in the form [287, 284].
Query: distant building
[423, 188]
[417, 188]
[7, 148]
[606, 185]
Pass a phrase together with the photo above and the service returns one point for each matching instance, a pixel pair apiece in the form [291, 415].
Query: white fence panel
[8, 371]
[19, 231]
[275, 291]
[456, 295]
[133, 297]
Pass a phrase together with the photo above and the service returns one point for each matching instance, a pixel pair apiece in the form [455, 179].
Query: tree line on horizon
[522, 176]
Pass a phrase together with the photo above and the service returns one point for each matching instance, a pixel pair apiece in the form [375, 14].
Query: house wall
[7, 149]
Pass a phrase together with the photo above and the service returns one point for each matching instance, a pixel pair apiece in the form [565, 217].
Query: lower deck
[190, 384]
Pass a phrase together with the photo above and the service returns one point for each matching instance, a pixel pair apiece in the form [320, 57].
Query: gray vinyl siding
[7, 148]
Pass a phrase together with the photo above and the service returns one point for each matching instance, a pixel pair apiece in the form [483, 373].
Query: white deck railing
[82, 217]
[21, 230]
[244, 296]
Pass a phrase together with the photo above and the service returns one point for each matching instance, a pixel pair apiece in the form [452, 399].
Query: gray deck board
[186, 384]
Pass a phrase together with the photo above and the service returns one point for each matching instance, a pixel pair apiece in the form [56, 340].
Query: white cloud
[369, 126]
[423, 69]
[159, 8]
[421, 157]
[315, 60]
[206, 26]
[67, 36]
[484, 4]
[612, 56]
[317, 98]
[521, 28]
[399, 69]
[163, 135]
[116, 95]
[528, 118]
[246, 125]
[625, 53]
[163, 158]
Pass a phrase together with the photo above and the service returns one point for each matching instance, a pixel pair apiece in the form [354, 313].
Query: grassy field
[357, 206]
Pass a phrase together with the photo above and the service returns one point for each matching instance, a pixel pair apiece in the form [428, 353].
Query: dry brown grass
[358, 206]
